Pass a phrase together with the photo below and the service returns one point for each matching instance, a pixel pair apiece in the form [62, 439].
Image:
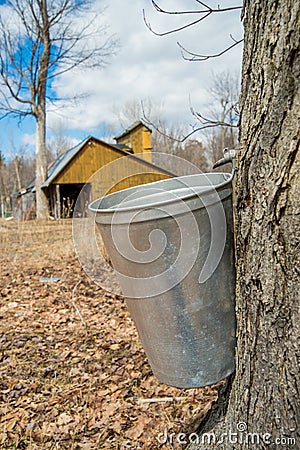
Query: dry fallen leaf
[137, 429]
[63, 419]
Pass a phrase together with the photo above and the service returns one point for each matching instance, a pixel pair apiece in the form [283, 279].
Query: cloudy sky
[146, 67]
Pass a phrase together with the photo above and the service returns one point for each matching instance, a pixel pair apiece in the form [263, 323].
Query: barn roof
[61, 162]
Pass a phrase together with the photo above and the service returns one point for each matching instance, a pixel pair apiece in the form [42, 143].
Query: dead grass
[73, 374]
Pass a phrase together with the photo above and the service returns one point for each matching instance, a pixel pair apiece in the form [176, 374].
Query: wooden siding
[92, 157]
[136, 180]
[139, 140]
[84, 167]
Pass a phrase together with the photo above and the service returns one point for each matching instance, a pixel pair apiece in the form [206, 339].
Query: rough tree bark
[263, 398]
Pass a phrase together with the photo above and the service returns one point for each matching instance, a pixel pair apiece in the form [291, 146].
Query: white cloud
[148, 66]
[28, 139]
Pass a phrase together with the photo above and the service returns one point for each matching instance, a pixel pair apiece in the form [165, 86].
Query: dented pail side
[171, 244]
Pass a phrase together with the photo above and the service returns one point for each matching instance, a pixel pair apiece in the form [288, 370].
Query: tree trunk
[17, 169]
[262, 407]
[42, 206]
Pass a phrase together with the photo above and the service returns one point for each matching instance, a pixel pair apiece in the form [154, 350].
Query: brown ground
[73, 374]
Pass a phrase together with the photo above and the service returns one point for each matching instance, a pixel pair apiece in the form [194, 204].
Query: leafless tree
[136, 109]
[259, 405]
[16, 171]
[219, 125]
[58, 142]
[169, 139]
[3, 188]
[222, 110]
[166, 138]
[40, 40]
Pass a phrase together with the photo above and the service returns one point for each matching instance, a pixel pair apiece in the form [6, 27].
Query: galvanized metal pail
[171, 245]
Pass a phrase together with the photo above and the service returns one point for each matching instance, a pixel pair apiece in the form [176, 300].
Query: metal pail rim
[117, 202]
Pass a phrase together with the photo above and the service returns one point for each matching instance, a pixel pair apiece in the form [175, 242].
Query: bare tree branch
[174, 30]
[197, 11]
[198, 57]
[161, 10]
[205, 12]
[226, 119]
[210, 123]
[224, 90]
[234, 40]
[206, 123]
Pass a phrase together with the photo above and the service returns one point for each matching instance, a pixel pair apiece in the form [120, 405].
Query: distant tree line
[15, 173]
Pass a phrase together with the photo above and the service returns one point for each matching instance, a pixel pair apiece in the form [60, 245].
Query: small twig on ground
[160, 399]
[75, 306]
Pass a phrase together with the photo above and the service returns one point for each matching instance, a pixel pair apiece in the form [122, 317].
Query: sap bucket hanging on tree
[172, 247]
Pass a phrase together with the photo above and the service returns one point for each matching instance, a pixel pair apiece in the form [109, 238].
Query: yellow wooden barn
[102, 168]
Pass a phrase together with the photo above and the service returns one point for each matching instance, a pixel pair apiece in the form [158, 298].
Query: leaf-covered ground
[73, 374]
